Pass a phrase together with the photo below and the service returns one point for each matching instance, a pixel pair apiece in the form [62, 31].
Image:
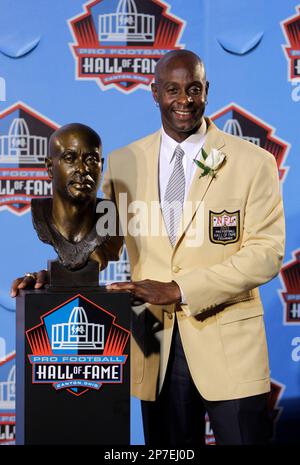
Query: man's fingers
[27, 282]
[137, 288]
[41, 279]
[14, 287]
[120, 286]
[34, 280]
[127, 287]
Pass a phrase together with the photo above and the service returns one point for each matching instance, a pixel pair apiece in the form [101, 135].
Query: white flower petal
[214, 159]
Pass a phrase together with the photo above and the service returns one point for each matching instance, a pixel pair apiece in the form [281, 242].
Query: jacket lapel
[200, 186]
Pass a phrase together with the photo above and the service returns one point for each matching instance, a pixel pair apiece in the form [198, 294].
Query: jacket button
[170, 316]
[176, 268]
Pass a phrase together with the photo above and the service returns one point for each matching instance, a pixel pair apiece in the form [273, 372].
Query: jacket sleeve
[111, 250]
[261, 253]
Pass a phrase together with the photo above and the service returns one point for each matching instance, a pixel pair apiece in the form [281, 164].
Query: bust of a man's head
[68, 220]
[74, 163]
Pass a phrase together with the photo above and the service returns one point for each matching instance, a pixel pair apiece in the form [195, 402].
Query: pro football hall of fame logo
[291, 31]
[7, 397]
[290, 295]
[77, 346]
[24, 135]
[118, 42]
[237, 121]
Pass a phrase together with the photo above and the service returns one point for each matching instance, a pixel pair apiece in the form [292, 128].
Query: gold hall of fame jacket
[230, 241]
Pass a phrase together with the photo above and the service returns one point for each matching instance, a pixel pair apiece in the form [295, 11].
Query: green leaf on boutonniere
[206, 171]
[204, 154]
[198, 163]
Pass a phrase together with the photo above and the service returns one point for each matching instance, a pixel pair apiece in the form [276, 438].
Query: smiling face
[180, 89]
[75, 163]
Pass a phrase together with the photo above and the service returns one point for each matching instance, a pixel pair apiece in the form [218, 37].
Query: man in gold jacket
[198, 336]
[198, 342]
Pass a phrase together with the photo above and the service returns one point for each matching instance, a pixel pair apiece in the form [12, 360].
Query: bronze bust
[67, 220]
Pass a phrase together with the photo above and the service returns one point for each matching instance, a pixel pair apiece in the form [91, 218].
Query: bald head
[176, 58]
[71, 134]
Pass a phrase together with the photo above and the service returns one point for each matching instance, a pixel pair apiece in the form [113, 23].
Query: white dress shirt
[191, 147]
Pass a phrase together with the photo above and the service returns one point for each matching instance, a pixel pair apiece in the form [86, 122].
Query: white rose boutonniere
[210, 162]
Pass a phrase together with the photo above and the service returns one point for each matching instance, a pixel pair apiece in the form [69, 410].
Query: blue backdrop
[92, 62]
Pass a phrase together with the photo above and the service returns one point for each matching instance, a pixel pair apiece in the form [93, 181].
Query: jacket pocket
[242, 310]
[242, 333]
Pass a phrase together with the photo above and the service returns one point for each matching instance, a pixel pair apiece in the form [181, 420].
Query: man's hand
[29, 281]
[153, 292]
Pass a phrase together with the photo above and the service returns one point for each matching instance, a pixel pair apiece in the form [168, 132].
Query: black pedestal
[73, 373]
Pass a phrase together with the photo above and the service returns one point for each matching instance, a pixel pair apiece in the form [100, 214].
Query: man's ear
[48, 163]
[206, 88]
[154, 90]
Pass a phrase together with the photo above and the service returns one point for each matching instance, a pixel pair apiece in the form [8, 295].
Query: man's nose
[81, 167]
[183, 98]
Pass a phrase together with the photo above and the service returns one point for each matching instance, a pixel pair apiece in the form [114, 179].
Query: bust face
[75, 164]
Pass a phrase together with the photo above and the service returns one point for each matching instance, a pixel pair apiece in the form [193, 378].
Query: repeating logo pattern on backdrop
[24, 135]
[291, 31]
[237, 121]
[118, 42]
[77, 346]
[7, 397]
[116, 271]
[290, 296]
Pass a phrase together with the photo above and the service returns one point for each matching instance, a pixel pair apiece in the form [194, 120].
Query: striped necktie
[174, 196]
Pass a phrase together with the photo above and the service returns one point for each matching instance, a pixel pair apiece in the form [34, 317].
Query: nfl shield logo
[224, 227]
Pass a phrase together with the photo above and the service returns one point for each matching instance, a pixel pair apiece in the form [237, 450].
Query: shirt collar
[190, 146]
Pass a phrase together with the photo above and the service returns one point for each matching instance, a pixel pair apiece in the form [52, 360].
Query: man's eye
[68, 158]
[92, 159]
[172, 90]
[195, 90]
